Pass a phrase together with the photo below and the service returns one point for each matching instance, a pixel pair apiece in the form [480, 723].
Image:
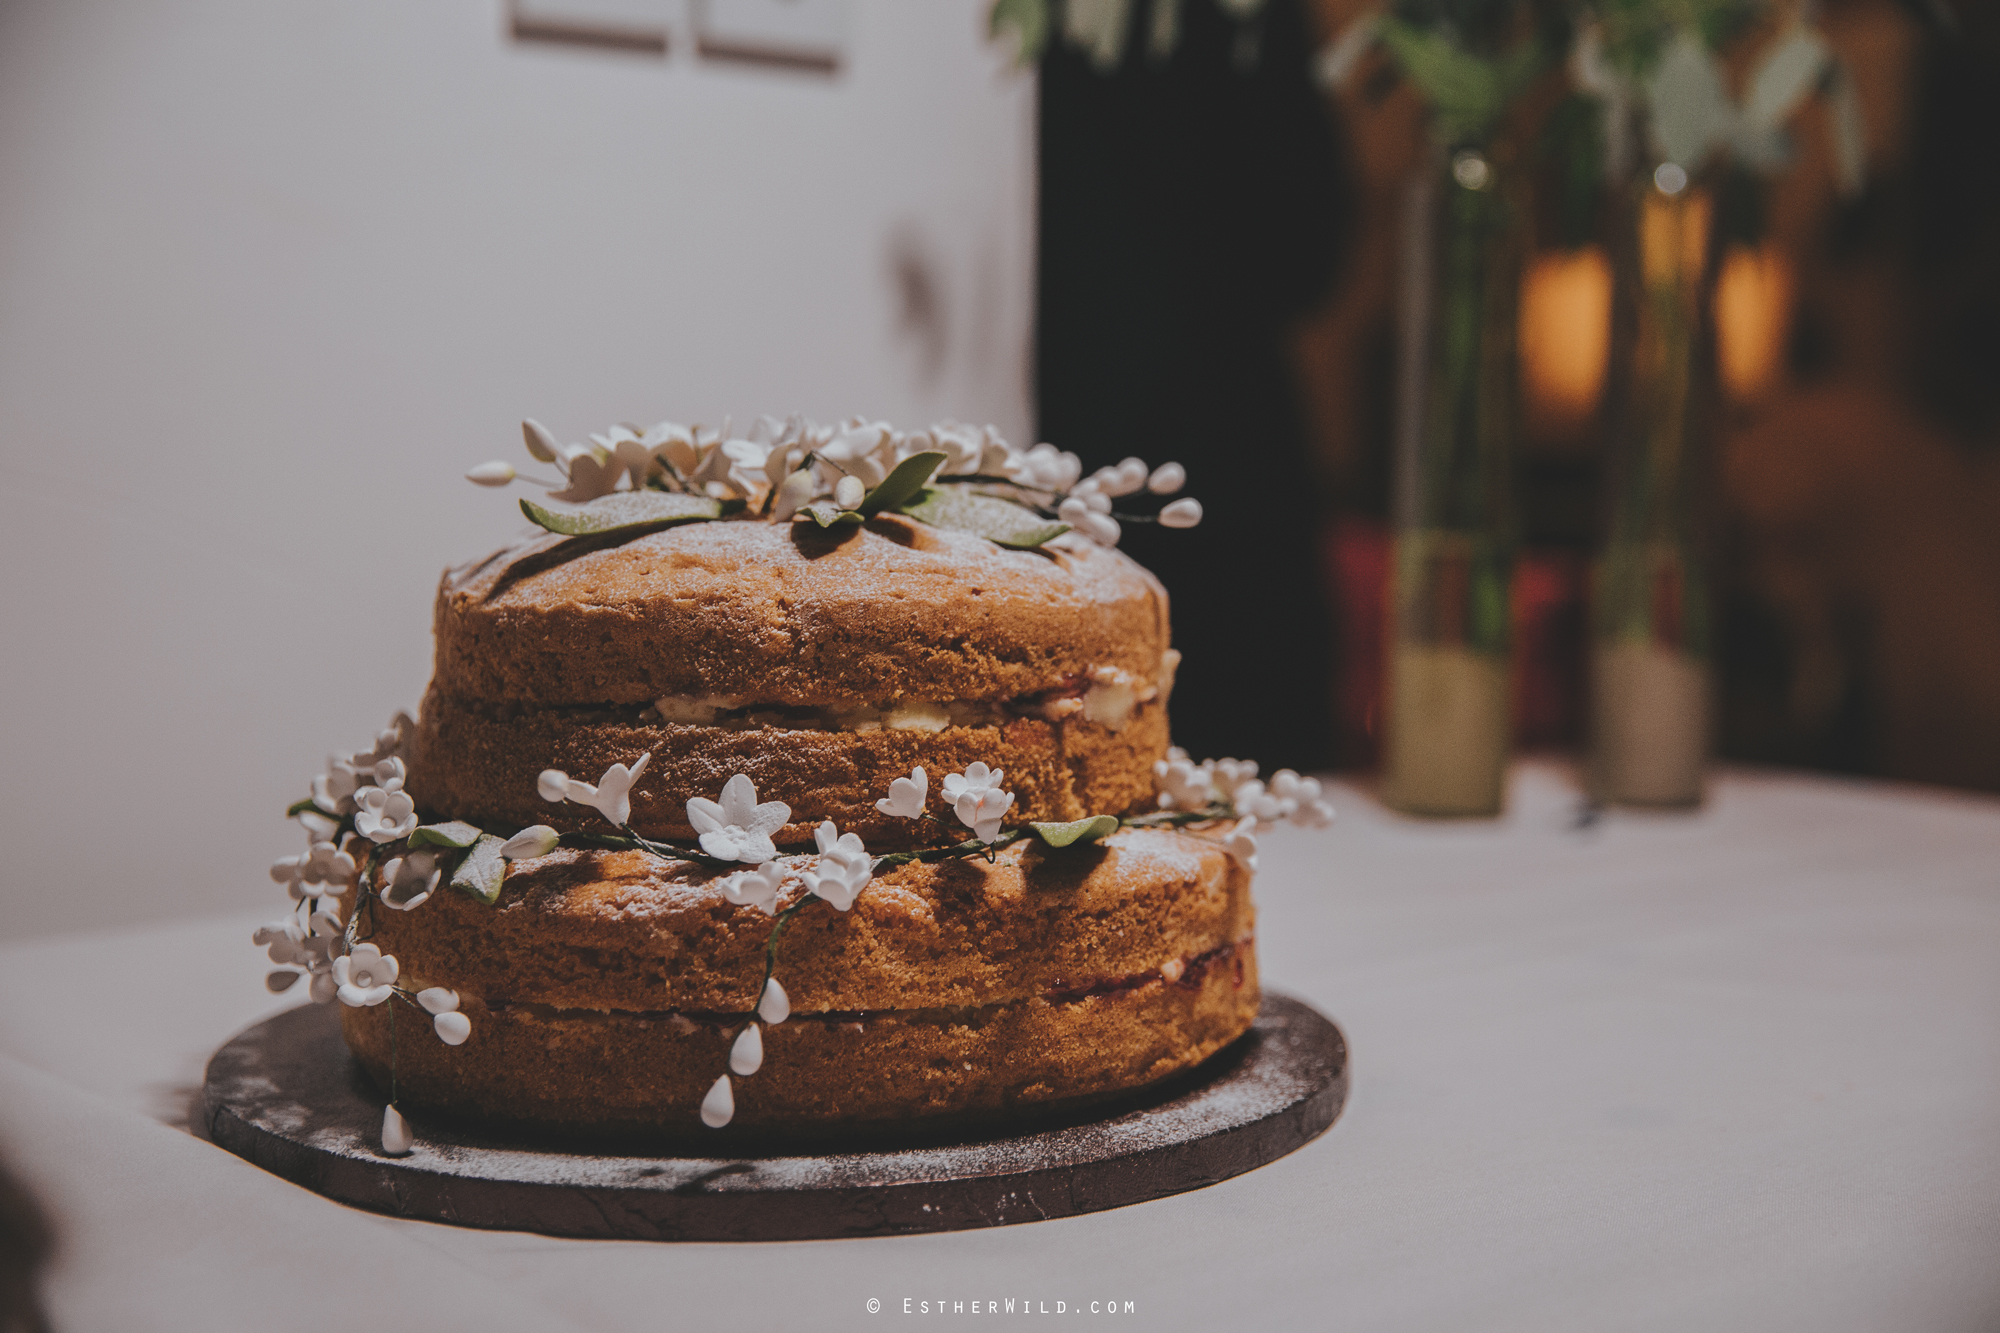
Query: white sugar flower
[612, 795]
[1253, 798]
[333, 791]
[1307, 806]
[384, 816]
[1241, 844]
[734, 466]
[633, 450]
[290, 871]
[283, 942]
[1046, 468]
[906, 796]
[746, 1054]
[592, 470]
[977, 800]
[756, 888]
[1232, 774]
[683, 452]
[366, 976]
[396, 1137]
[389, 743]
[863, 450]
[327, 864]
[848, 492]
[962, 446]
[531, 842]
[319, 826]
[385, 812]
[785, 440]
[451, 1026]
[409, 881]
[997, 458]
[738, 829]
[844, 867]
[774, 1006]
[1182, 783]
[719, 1107]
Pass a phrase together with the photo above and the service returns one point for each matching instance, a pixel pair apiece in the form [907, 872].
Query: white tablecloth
[1734, 1070]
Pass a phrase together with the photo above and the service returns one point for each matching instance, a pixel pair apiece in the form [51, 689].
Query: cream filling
[1109, 696]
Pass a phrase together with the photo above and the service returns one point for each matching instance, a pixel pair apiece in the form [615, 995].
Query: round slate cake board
[286, 1095]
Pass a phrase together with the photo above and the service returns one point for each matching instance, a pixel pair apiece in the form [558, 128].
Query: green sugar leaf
[827, 515]
[897, 488]
[999, 521]
[1076, 830]
[620, 511]
[457, 833]
[483, 870]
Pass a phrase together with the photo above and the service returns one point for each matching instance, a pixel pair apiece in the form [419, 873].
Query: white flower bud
[279, 982]
[541, 444]
[491, 474]
[746, 1057]
[792, 495]
[531, 842]
[553, 785]
[1182, 513]
[1126, 478]
[1166, 479]
[719, 1107]
[437, 999]
[396, 1137]
[1101, 528]
[452, 1028]
[774, 1006]
[848, 492]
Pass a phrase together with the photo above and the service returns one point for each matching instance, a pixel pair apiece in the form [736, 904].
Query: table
[1732, 1070]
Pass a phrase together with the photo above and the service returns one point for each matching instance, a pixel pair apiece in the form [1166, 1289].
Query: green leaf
[483, 869]
[828, 515]
[999, 521]
[1076, 830]
[297, 808]
[623, 510]
[907, 479]
[1467, 93]
[457, 833]
[1030, 21]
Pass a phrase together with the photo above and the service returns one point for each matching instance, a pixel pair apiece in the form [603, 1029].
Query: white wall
[272, 275]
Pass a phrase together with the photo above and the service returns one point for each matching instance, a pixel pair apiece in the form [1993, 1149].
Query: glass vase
[1446, 742]
[1652, 631]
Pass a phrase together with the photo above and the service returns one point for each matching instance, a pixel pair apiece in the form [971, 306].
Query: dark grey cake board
[286, 1095]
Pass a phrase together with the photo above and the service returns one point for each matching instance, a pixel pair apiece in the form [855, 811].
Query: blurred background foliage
[1859, 560]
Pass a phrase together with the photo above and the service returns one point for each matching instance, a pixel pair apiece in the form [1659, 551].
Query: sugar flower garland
[950, 475]
[364, 838]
